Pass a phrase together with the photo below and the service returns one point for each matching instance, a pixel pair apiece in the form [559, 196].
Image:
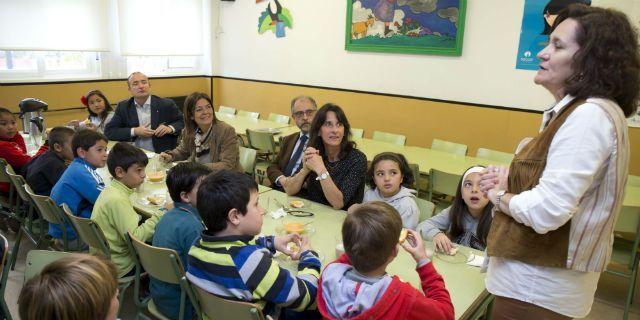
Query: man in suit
[151, 122]
[289, 159]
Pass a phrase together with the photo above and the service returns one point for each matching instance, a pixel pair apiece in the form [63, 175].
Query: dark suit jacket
[282, 159]
[163, 111]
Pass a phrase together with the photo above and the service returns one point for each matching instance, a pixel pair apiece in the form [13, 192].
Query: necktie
[288, 171]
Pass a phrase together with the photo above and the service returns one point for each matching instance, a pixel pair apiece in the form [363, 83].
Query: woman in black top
[333, 169]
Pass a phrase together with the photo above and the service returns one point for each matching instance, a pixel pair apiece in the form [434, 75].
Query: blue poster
[537, 20]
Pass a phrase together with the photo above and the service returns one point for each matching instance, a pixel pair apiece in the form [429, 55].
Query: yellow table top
[465, 283]
[241, 124]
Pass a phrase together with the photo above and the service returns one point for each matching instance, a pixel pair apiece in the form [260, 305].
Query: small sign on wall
[274, 18]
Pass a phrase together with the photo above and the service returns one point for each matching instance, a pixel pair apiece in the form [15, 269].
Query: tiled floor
[607, 306]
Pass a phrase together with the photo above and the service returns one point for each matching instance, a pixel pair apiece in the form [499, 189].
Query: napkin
[475, 260]
[278, 213]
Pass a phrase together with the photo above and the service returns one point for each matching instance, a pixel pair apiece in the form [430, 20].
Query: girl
[466, 221]
[100, 111]
[390, 180]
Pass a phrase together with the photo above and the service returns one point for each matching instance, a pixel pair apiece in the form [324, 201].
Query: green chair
[165, 265]
[415, 169]
[444, 183]
[248, 114]
[5, 265]
[5, 201]
[38, 259]
[357, 133]
[389, 137]
[248, 160]
[215, 307]
[50, 212]
[449, 147]
[279, 118]
[633, 181]
[227, 110]
[493, 155]
[426, 208]
[263, 142]
[625, 256]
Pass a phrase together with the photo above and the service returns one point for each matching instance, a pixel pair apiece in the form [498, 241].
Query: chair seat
[153, 309]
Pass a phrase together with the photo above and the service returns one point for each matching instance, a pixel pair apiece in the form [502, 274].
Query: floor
[607, 306]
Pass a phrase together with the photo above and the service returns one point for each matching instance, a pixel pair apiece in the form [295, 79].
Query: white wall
[313, 53]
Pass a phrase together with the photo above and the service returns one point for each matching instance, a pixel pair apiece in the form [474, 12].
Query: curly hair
[607, 64]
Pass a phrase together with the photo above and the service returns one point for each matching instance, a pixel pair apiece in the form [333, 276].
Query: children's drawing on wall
[537, 21]
[275, 17]
[406, 26]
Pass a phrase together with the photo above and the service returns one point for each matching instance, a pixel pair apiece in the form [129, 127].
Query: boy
[114, 212]
[178, 230]
[356, 285]
[80, 184]
[46, 169]
[227, 261]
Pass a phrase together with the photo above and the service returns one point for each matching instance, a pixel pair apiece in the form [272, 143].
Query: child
[114, 212]
[230, 262]
[356, 285]
[100, 111]
[80, 184]
[178, 229]
[390, 179]
[76, 287]
[466, 221]
[45, 170]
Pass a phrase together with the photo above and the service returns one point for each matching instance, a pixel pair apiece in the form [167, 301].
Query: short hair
[77, 287]
[86, 139]
[131, 75]
[59, 135]
[5, 110]
[315, 140]
[313, 102]
[124, 155]
[221, 192]
[370, 235]
[607, 64]
[188, 111]
[107, 105]
[183, 177]
[407, 174]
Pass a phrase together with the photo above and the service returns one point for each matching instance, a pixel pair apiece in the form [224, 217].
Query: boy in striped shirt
[229, 261]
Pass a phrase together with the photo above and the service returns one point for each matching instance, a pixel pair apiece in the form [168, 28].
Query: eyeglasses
[300, 114]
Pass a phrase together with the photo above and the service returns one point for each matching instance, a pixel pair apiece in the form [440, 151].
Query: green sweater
[114, 213]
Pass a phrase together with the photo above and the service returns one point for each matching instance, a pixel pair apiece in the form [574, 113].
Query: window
[24, 65]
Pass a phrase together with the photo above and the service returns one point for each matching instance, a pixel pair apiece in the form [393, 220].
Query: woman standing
[552, 232]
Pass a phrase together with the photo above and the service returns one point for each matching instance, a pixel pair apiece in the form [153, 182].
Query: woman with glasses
[332, 168]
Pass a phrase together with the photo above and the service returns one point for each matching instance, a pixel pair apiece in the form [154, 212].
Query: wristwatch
[499, 197]
[323, 176]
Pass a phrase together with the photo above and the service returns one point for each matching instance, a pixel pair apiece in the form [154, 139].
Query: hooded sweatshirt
[403, 201]
[344, 293]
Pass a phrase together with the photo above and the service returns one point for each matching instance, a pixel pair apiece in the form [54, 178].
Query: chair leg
[16, 249]
[630, 292]
[122, 288]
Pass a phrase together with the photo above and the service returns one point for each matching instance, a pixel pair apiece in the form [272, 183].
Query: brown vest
[513, 240]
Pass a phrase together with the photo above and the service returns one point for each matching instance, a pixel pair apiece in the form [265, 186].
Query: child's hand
[415, 246]
[442, 242]
[281, 242]
[166, 157]
[305, 245]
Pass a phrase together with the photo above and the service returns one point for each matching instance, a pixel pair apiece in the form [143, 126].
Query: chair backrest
[357, 133]
[4, 177]
[88, 231]
[248, 159]
[215, 307]
[493, 155]
[633, 181]
[415, 169]
[261, 141]
[161, 263]
[248, 114]
[389, 137]
[426, 208]
[18, 183]
[46, 207]
[443, 182]
[38, 259]
[449, 147]
[279, 118]
[627, 229]
[229, 110]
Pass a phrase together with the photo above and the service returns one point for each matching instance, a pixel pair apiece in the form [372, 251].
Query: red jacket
[402, 301]
[14, 151]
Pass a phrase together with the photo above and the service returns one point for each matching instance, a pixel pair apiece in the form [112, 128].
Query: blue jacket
[178, 229]
[79, 187]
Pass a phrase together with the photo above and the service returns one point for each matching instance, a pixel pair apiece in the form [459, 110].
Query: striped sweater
[242, 268]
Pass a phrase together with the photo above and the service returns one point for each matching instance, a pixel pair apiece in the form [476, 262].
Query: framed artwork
[406, 26]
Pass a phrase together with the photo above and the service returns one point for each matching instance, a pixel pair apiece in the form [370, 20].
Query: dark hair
[59, 135]
[370, 234]
[86, 139]
[456, 216]
[294, 100]
[124, 155]
[107, 106]
[221, 192]
[315, 139]
[188, 111]
[183, 177]
[554, 7]
[5, 110]
[405, 170]
[607, 64]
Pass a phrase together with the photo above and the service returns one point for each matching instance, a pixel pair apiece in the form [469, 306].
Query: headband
[476, 169]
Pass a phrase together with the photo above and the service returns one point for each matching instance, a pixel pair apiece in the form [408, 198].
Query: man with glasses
[289, 159]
